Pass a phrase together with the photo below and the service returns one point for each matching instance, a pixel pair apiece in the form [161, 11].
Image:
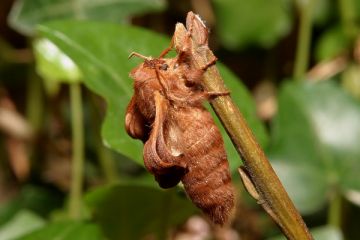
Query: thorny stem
[77, 168]
[303, 40]
[262, 174]
[270, 190]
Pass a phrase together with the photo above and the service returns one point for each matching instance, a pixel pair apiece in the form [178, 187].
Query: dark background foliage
[292, 68]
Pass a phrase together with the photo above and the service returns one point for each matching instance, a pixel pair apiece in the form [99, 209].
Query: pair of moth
[181, 140]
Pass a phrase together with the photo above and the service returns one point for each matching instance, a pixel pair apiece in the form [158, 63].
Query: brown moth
[181, 140]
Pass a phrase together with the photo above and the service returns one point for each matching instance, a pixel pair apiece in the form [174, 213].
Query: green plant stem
[262, 174]
[303, 39]
[335, 209]
[77, 168]
[34, 102]
[106, 161]
[272, 195]
[348, 18]
[105, 156]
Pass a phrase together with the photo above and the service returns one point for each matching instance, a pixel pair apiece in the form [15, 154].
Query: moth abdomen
[208, 184]
[207, 180]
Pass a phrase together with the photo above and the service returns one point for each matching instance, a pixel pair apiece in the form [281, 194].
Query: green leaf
[323, 11]
[321, 233]
[241, 23]
[331, 44]
[26, 14]
[36, 199]
[129, 211]
[67, 230]
[243, 100]
[54, 66]
[350, 79]
[315, 148]
[23, 222]
[105, 66]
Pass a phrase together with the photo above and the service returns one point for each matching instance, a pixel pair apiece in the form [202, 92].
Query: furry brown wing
[134, 121]
[167, 166]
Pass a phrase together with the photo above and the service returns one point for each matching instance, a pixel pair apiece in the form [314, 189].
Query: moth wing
[134, 121]
[167, 167]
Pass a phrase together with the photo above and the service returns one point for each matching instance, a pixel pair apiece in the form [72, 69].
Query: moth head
[151, 67]
[153, 63]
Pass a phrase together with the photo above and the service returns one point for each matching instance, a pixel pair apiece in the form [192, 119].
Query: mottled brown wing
[134, 122]
[167, 166]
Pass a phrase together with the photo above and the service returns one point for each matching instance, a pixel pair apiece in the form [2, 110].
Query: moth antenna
[165, 52]
[139, 56]
[168, 49]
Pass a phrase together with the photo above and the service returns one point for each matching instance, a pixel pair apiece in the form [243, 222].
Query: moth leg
[167, 167]
[194, 75]
[200, 97]
[134, 121]
[213, 94]
[211, 62]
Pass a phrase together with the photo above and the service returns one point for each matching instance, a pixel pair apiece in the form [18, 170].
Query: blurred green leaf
[23, 222]
[243, 100]
[129, 211]
[331, 43]
[105, 66]
[37, 199]
[321, 233]
[351, 80]
[54, 66]
[241, 23]
[315, 148]
[26, 14]
[68, 230]
[323, 11]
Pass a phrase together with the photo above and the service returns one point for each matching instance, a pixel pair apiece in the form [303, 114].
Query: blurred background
[69, 171]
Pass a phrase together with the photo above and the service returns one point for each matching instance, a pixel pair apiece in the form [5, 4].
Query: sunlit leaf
[331, 44]
[105, 66]
[25, 14]
[54, 66]
[315, 147]
[67, 230]
[23, 222]
[242, 23]
[129, 211]
[321, 233]
[33, 198]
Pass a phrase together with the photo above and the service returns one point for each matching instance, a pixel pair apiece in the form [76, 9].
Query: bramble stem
[272, 194]
[77, 168]
[303, 39]
[262, 174]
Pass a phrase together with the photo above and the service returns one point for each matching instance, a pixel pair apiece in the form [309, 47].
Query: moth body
[181, 140]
